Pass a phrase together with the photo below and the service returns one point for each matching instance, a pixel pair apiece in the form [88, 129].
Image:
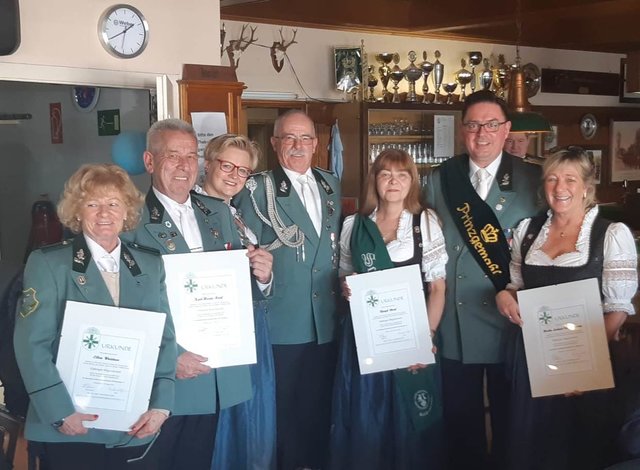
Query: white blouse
[619, 274]
[434, 255]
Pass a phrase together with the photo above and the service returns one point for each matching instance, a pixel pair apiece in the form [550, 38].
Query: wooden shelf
[379, 139]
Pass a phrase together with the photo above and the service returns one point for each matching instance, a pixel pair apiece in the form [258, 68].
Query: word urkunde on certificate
[107, 360]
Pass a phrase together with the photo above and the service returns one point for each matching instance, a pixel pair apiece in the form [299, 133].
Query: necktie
[309, 202]
[188, 229]
[107, 264]
[481, 185]
[242, 230]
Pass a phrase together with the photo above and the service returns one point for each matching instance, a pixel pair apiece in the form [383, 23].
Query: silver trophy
[463, 77]
[426, 67]
[385, 59]
[372, 81]
[486, 77]
[397, 75]
[475, 58]
[438, 75]
[412, 74]
[450, 88]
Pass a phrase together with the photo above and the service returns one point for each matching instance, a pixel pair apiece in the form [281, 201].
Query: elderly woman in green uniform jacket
[98, 203]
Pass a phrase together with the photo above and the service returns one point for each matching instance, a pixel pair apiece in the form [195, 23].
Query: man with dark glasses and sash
[480, 196]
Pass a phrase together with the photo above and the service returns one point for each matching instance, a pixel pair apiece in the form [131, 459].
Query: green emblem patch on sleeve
[29, 302]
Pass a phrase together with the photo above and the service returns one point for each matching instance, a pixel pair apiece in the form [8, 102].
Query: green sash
[475, 221]
[419, 390]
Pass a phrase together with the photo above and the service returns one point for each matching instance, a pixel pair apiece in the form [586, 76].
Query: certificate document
[390, 322]
[107, 360]
[564, 338]
[211, 304]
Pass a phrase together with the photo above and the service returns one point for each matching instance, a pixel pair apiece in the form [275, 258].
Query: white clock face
[123, 31]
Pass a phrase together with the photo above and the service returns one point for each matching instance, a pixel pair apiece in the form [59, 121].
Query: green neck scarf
[368, 250]
[418, 391]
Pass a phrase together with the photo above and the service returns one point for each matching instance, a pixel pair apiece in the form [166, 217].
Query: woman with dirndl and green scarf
[376, 423]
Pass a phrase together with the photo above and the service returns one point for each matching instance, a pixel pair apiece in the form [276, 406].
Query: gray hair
[292, 112]
[154, 134]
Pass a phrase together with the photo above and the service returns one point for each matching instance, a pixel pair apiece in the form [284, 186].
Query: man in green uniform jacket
[477, 222]
[295, 212]
[175, 221]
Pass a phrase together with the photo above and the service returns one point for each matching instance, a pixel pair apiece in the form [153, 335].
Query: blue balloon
[127, 150]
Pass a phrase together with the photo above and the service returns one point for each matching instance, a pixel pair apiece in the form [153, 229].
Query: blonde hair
[578, 157]
[221, 143]
[387, 159]
[94, 180]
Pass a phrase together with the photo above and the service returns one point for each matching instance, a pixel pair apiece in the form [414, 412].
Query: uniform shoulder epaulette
[143, 248]
[56, 246]
[533, 160]
[323, 170]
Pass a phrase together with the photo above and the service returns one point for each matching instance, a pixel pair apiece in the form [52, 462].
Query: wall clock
[123, 31]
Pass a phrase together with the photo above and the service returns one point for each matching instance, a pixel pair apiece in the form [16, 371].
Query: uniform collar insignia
[81, 254]
[129, 261]
[320, 179]
[200, 205]
[156, 209]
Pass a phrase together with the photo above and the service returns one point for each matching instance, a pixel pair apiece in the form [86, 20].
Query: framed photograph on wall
[624, 96]
[624, 150]
[596, 154]
[348, 68]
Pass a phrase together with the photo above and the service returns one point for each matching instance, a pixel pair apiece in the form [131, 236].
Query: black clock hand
[121, 32]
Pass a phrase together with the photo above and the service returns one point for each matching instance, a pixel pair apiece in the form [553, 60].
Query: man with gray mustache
[295, 212]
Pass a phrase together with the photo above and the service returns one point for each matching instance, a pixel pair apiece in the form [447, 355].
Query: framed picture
[595, 154]
[624, 96]
[624, 145]
[348, 68]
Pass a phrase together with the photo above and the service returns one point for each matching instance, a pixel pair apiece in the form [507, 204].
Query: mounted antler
[279, 48]
[236, 45]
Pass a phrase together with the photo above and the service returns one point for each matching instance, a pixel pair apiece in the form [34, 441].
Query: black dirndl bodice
[558, 432]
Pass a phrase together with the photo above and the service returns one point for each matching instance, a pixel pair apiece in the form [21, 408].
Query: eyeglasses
[228, 167]
[489, 126]
[291, 139]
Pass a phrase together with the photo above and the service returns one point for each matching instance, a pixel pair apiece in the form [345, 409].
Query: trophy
[372, 81]
[500, 77]
[426, 67]
[412, 74]
[385, 59]
[486, 77]
[438, 74]
[396, 77]
[450, 88]
[475, 58]
[463, 77]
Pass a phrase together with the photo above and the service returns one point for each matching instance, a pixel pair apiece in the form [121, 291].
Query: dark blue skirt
[556, 432]
[371, 425]
[246, 436]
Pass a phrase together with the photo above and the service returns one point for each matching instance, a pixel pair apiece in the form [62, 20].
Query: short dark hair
[484, 96]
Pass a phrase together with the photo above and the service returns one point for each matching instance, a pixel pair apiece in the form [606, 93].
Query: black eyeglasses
[489, 126]
[228, 167]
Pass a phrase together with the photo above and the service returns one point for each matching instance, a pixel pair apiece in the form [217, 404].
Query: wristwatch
[58, 424]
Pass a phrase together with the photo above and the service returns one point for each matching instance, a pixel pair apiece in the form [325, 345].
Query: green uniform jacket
[64, 272]
[472, 330]
[228, 385]
[302, 308]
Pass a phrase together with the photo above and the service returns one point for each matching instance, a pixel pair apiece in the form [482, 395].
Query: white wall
[32, 165]
[60, 43]
[312, 59]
